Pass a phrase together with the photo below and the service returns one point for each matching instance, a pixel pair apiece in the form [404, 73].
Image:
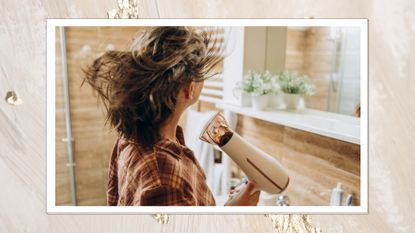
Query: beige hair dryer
[268, 173]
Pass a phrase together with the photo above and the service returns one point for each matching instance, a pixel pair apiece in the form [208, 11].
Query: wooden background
[391, 128]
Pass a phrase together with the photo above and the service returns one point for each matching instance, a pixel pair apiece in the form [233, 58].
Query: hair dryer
[268, 173]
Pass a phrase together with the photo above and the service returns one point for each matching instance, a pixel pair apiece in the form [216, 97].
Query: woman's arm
[248, 196]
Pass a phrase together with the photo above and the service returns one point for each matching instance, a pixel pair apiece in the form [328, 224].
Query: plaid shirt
[168, 175]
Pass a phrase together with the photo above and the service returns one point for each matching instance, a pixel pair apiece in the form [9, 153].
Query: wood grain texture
[392, 114]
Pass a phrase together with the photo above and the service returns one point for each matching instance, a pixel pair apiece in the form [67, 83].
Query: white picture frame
[52, 208]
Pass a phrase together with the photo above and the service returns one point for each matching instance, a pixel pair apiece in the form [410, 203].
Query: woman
[145, 92]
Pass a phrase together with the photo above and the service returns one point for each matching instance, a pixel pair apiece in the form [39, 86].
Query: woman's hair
[139, 87]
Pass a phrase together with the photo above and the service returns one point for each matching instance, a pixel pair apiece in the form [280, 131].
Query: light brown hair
[139, 87]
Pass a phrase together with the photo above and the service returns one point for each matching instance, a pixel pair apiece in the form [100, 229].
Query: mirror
[330, 57]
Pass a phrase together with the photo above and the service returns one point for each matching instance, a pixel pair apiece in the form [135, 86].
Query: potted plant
[275, 97]
[261, 88]
[295, 86]
[244, 89]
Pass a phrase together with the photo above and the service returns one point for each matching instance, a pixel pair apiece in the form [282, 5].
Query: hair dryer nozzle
[217, 131]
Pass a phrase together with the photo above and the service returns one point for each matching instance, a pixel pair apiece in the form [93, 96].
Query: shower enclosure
[344, 76]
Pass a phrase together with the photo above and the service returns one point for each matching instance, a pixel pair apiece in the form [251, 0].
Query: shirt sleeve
[165, 196]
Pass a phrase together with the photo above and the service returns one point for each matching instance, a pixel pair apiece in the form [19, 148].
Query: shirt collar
[174, 148]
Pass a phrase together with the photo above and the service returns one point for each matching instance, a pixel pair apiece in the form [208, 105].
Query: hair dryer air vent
[217, 131]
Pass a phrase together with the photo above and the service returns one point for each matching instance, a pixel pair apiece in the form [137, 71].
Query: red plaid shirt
[168, 175]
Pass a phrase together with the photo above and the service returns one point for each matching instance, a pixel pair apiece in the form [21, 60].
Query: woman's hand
[244, 197]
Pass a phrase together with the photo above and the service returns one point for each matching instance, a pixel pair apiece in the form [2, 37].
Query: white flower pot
[275, 100]
[246, 100]
[291, 101]
[259, 102]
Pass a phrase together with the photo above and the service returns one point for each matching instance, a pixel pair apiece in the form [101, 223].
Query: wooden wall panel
[294, 59]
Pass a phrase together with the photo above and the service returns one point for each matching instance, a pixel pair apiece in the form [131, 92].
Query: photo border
[51, 207]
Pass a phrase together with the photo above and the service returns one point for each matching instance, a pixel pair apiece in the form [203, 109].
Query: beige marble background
[391, 96]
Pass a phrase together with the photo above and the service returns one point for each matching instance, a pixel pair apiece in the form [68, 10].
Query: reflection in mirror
[330, 57]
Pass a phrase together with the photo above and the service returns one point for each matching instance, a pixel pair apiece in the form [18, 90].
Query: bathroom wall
[92, 140]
